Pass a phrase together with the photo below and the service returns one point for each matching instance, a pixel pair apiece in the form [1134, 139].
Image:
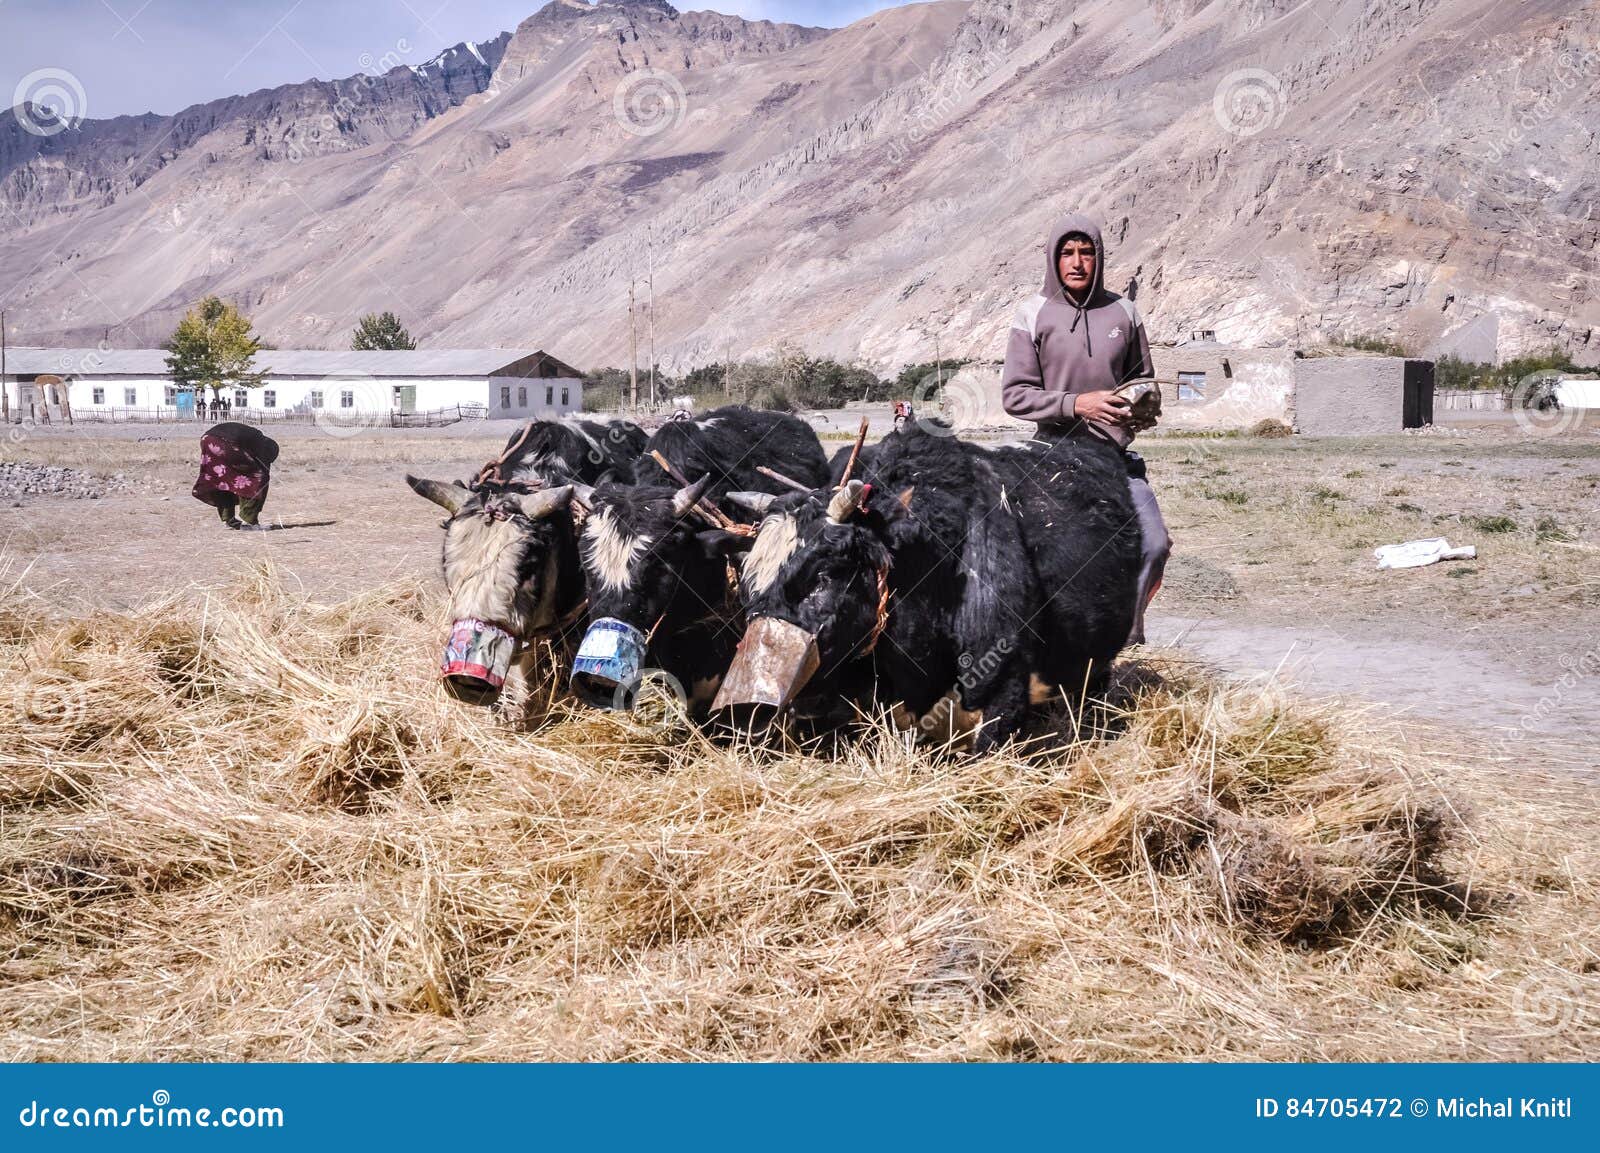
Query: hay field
[245, 825]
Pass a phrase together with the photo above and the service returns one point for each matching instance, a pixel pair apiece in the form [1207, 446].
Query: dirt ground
[1272, 571]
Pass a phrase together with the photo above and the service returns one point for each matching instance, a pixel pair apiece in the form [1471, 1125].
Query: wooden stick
[709, 512]
[850, 465]
[781, 479]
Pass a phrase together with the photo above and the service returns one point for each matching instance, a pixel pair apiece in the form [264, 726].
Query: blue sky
[162, 55]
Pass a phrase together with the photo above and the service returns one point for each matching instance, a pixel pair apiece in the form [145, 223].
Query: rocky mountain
[1281, 172]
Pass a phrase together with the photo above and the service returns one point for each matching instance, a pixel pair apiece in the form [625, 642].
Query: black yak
[656, 571]
[954, 570]
[510, 547]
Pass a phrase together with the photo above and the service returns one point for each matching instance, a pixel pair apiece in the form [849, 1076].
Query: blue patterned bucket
[610, 657]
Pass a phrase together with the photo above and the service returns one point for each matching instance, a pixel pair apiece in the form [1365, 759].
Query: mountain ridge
[866, 190]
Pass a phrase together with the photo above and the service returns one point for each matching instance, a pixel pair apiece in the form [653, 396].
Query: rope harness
[883, 611]
[489, 474]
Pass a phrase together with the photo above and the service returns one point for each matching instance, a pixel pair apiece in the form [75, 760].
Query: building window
[549, 394]
[99, 396]
[522, 396]
[171, 395]
[347, 399]
[130, 396]
[241, 398]
[565, 397]
[269, 398]
[316, 398]
[1191, 386]
[505, 396]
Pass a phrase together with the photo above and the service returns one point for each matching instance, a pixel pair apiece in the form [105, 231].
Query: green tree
[213, 348]
[922, 381]
[380, 330]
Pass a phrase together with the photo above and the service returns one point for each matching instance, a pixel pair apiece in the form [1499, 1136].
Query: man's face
[1076, 263]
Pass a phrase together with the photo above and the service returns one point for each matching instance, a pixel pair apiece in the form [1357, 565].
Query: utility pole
[633, 342]
[938, 367]
[650, 256]
[5, 393]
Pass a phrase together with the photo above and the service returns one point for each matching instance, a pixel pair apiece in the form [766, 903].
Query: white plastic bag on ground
[1416, 553]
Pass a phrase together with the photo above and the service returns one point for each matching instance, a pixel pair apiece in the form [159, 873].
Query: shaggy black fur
[728, 443]
[676, 589]
[557, 451]
[1001, 564]
[677, 586]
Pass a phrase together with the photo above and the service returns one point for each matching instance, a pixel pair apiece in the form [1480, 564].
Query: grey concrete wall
[1320, 396]
[1349, 395]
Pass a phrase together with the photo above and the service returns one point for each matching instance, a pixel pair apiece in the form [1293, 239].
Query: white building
[133, 383]
[1578, 391]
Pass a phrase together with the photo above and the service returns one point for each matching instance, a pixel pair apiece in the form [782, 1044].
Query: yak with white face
[656, 571]
[658, 598]
[957, 571]
[510, 547]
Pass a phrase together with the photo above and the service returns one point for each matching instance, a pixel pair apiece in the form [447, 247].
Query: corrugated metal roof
[87, 361]
[283, 362]
[415, 362]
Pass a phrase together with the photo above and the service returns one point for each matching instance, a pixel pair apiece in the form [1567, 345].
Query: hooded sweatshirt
[1059, 348]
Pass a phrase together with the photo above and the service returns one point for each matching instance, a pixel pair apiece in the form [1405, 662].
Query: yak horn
[538, 505]
[845, 502]
[449, 497]
[756, 502]
[686, 498]
[583, 494]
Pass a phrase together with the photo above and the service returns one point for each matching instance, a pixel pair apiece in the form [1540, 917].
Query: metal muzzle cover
[611, 655]
[774, 662]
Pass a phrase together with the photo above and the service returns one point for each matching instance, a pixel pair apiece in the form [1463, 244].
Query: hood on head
[1073, 222]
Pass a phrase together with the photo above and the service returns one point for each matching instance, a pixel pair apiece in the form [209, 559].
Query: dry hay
[250, 827]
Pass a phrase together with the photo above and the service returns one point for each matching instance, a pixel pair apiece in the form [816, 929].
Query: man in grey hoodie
[1071, 345]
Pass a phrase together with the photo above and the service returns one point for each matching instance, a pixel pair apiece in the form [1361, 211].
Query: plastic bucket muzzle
[774, 661]
[477, 659]
[610, 659]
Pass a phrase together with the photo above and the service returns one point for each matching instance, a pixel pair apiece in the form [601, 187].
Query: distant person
[235, 469]
[1072, 346]
[902, 413]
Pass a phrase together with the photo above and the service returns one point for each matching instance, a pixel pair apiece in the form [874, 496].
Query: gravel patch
[20, 478]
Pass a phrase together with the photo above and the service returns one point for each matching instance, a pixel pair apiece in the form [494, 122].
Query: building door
[185, 400]
[405, 397]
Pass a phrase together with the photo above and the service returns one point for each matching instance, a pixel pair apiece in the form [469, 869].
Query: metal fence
[1475, 399]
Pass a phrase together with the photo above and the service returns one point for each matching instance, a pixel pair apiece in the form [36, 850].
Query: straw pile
[250, 827]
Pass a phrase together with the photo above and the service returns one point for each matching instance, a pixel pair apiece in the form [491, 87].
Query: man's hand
[1103, 407]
